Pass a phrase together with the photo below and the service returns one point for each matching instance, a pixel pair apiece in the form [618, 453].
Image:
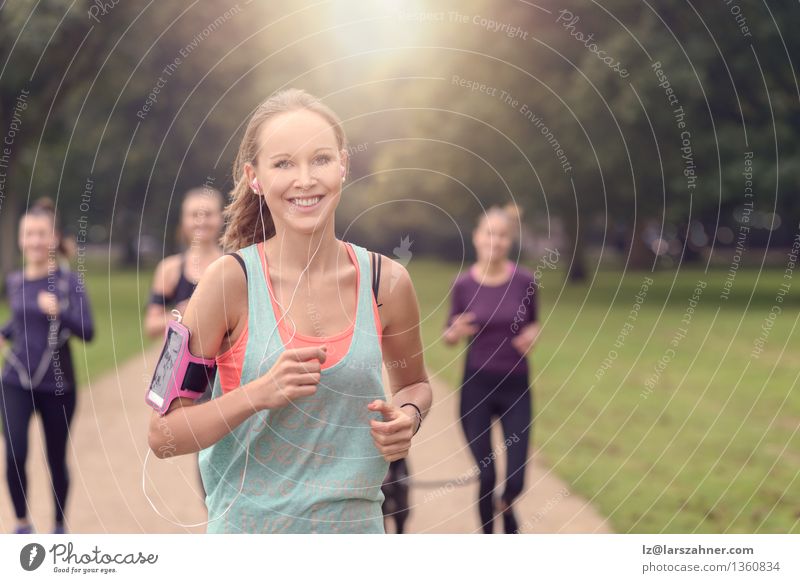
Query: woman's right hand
[463, 325]
[295, 374]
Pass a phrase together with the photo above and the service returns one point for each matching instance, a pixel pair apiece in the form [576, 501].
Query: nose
[305, 179]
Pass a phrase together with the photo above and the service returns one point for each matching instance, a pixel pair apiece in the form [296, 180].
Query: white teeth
[306, 201]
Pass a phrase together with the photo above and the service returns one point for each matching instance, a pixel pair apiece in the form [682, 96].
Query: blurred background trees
[428, 152]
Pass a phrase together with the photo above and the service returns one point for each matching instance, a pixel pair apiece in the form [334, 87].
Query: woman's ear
[250, 177]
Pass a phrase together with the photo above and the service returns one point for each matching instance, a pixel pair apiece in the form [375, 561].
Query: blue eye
[281, 164]
[323, 159]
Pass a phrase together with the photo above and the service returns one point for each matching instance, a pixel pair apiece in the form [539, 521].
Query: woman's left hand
[526, 339]
[48, 303]
[392, 436]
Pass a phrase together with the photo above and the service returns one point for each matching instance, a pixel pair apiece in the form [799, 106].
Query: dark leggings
[485, 395]
[16, 407]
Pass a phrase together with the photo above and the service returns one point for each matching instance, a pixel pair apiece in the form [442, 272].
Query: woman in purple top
[494, 306]
[48, 304]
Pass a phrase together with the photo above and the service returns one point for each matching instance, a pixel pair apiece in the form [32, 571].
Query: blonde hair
[247, 216]
[510, 212]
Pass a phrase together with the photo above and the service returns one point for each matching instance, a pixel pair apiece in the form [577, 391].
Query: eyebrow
[285, 154]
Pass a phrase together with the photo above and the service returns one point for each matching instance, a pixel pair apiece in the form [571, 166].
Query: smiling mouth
[305, 201]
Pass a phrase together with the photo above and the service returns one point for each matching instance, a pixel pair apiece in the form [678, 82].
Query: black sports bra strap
[376, 274]
[239, 259]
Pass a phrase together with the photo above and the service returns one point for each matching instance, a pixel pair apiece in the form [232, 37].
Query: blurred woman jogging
[48, 305]
[176, 276]
[494, 306]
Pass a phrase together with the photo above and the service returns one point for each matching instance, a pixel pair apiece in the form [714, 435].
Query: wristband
[419, 417]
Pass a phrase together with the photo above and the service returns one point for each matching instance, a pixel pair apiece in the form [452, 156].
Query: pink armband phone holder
[178, 372]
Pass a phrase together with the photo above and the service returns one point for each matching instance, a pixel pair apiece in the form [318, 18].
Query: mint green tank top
[312, 466]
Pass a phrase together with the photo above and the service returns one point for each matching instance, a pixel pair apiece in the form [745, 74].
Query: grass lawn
[708, 442]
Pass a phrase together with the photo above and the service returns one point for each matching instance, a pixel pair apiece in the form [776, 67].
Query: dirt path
[109, 443]
[440, 454]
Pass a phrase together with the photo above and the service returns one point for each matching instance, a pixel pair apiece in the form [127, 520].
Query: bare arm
[164, 282]
[187, 427]
[460, 323]
[214, 309]
[403, 356]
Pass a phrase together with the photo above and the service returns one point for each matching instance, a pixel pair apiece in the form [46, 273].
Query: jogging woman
[298, 436]
[48, 305]
[176, 276]
[494, 306]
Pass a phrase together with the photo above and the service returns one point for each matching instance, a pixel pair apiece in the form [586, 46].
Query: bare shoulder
[221, 293]
[226, 277]
[167, 273]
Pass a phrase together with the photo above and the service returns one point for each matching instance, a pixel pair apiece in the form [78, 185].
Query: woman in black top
[177, 275]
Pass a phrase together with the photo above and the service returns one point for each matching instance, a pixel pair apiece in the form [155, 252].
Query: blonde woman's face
[299, 170]
[492, 238]
[36, 238]
[201, 218]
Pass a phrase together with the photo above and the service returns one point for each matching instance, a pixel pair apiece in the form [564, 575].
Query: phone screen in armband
[178, 373]
[166, 369]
